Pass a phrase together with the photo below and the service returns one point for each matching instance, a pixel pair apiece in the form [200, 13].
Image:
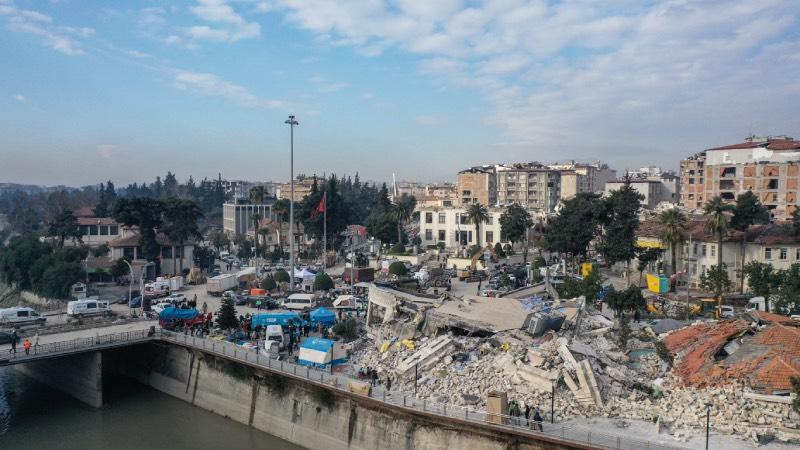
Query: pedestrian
[527, 415]
[537, 420]
[637, 316]
[388, 383]
[27, 345]
[14, 339]
[205, 307]
[36, 343]
[374, 376]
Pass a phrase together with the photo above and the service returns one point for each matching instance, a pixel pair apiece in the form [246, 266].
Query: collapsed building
[544, 352]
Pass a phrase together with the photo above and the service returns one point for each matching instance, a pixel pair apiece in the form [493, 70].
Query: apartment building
[237, 218]
[654, 188]
[531, 185]
[477, 185]
[302, 189]
[577, 177]
[767, 166]
[451, 226]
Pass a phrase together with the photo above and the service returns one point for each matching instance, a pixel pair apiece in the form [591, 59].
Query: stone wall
[305, 413]
[80, 376]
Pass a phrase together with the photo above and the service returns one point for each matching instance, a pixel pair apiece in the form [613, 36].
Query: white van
[274, 333]
[726, 312]
[20, 316]
[299, 302]
[83, 308]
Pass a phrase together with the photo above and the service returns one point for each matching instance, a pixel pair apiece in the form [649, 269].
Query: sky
[93, 90]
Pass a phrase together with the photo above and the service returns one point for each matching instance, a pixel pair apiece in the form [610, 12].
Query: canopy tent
[277, 318]
[318, 352]
[304, 273]
[323, 316]
[178, 313]
[344, 302]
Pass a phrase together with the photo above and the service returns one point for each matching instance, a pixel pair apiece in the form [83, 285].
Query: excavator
[471, 275]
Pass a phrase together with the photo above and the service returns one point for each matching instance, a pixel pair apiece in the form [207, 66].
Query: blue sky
[93, 90]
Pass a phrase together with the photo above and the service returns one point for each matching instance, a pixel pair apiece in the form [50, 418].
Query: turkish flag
[321, 207]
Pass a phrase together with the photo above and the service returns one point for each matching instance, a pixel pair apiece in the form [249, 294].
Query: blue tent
[277, 318]
[323, 316]
[172, 313]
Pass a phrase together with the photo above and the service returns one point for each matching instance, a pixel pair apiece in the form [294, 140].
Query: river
[33, 416]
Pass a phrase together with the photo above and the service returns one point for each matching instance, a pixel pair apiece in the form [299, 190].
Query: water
[33, 416]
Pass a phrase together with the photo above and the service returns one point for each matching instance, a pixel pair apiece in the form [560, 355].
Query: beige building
[237, 218]
[577, 178]
[452, 227]
[769, 167]
[477, 185]
[653, 189]
[530, 185]
[302, 189]
[127, 246]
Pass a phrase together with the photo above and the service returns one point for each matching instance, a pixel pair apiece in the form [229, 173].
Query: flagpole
[324, 230]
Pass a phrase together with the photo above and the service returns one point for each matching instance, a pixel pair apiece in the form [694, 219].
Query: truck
[221, 283]
[157, 289]
[175, 283]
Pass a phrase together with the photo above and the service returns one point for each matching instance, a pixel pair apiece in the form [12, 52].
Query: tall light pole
[130, 284]
[291, 122]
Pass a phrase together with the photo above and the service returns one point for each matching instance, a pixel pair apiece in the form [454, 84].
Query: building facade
[302, 189]
[237, 218]
[654, 191]
[477, 185]
[172, 255]
[451, 226]
[531, 186]
[769, 167]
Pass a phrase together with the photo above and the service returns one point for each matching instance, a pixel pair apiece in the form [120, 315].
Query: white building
[96, 231]
[452, 227]
[172, 256]
[237, 218]
[653, 191]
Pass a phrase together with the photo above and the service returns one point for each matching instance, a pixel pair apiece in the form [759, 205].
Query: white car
[161, 306]
[175, 298]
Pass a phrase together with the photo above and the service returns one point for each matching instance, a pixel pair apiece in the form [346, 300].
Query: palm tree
[180, 224]
[674, 222]
[402, 210]
[258, 194]
[477, 214]
[716, 210]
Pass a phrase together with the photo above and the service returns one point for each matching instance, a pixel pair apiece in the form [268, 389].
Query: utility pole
[291, 122]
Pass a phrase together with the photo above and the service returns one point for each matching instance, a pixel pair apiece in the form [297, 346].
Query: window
[114, 230]
[767, 253]
[713, 250]
[691, 180]
[93, 230]
[784, 253]
[703, 250]
[442, 235]
[797, 254]
[489, 220]
[84, 230]
[127, 252]
[442, 218]
[104, 230]
[772, 184]
[166, 252]
[489, 236]
[428, 217]
[428, 235]
[463, 219]
[694, 269]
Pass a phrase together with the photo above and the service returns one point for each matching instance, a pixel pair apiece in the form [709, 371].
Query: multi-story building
[172, 255]
[577, 178]
[653, 191]
[452, 227]
[96, 231]
[769, 167]
[531, 185]
[302, 189]
[237, 218]
[478, 185]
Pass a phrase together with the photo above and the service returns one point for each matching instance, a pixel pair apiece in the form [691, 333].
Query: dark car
[136, 302]
[5, 337]
[123, 297]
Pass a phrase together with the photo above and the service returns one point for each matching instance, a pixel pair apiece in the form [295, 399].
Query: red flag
[321, 207]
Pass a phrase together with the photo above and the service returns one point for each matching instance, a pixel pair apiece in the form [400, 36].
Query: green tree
[620, 221]
[762, 279]
[281, 276]
[748, 211]
[258, 194]
[181, 224]
[119, 269]
[346, 329]
[19, 256]
[268, 284]
[588, 287]
[674, 222]
[218, 240]
[717, 221]
[203, 257]
[645, 256]
[323, 282]
[401, 210]
[795, 381]
[146, 214]
[397, 268]
[57, 279]
[498, 250]
[574, 227]
[514, 225]
[101, 250]
[226, 317]
[64, 226]
[629, 299]
[381, 225]
[256, 218]
[106, 197]
[787, 300]
[245, 249]
[715, 279]
[477, 214]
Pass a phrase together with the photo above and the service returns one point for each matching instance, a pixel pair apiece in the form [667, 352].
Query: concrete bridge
[321, 411]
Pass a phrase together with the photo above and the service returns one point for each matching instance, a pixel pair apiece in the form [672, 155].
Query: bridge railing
[66, 347]
[399, 398]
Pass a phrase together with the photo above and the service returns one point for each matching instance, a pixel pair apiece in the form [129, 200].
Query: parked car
[175, 298]
[161, 306]
[5, 337]
[123, 297]
[726, 311]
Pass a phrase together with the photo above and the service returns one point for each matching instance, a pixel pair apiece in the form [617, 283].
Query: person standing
[27, 346]
[388, 383]
[14, 339]
[537, 420]
[527, 415]
[36, 343]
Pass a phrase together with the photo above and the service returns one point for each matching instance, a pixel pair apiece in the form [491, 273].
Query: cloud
[212, 85]
[57, 37]
[232, 26]
[107, 150]
[19, 97]
[658, 75]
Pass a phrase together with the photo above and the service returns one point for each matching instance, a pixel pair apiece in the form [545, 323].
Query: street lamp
[130, 283]
[291, 122]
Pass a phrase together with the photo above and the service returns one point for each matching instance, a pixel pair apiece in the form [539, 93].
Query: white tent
[344, 302]
[304, 273]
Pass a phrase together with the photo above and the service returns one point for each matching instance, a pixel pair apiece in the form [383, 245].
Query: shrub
[397, 268]
[663, 352]
[281, 276]
[398, 249]
[323, 282]
[268, 284]
[347, 329]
